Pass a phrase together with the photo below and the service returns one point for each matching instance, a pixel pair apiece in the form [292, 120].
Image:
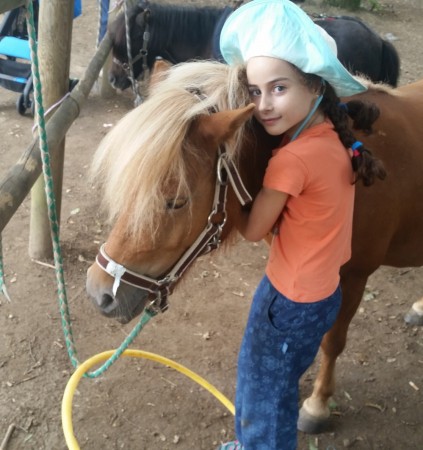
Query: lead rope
[134, 82]
[54, 225]
[2, 282]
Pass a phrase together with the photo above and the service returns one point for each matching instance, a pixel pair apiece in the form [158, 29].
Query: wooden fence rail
[17, 183]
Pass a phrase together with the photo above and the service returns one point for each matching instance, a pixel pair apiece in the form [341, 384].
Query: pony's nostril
[126, 84]
[106, 303]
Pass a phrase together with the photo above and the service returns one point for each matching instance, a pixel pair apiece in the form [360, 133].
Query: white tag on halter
[116, 271]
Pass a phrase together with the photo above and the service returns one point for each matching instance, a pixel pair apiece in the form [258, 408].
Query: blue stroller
[15, 57]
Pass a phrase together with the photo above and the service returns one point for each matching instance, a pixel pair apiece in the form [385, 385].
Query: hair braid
[365, 165]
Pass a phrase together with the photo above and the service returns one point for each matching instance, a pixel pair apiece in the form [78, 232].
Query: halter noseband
[208, 240]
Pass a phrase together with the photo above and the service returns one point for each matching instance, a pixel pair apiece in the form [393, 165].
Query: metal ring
[212, 214]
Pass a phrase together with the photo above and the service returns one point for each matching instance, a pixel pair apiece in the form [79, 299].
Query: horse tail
[390, 64]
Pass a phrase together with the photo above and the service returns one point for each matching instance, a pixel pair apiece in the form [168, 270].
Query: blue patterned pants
[280, 342]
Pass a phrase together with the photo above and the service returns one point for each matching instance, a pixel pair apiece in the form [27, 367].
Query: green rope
[54, 224]
[3, 289]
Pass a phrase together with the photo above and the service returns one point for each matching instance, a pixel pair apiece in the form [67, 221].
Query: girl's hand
[267, 208]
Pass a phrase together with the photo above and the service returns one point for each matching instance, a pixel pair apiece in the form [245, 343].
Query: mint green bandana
[280, 29]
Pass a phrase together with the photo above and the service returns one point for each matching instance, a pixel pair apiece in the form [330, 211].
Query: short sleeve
[286, 172]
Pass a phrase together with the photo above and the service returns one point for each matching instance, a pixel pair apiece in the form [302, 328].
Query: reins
[208, 240]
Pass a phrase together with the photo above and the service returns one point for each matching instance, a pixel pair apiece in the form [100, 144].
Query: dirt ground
[141, 405]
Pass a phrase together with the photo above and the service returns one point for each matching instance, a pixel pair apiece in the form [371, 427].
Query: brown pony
[166, 168]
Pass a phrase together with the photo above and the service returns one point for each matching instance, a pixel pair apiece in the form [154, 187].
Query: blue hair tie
[343, 106]
[356, 145]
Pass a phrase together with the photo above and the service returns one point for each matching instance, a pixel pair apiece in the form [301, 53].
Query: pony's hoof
[310, 424]
[413, 318]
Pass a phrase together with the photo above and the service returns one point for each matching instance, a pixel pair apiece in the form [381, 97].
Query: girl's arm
[266, 209]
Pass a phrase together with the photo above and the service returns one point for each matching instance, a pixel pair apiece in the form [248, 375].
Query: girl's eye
[279, 88]
[176, 203]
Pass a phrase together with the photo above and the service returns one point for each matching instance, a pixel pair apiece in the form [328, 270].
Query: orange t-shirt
[314, 237]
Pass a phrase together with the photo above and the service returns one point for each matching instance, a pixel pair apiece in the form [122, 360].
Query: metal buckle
[159, 304]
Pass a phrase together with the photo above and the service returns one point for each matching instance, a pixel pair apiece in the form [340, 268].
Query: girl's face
[281, 97]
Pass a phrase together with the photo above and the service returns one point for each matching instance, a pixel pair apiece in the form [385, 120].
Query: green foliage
[374, 5]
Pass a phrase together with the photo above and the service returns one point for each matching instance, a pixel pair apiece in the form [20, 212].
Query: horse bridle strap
[208, 240]
[143, 52]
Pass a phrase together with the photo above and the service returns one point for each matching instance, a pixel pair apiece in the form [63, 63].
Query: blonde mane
[144, 152]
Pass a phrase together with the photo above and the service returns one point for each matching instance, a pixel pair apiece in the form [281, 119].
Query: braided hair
[366, 167]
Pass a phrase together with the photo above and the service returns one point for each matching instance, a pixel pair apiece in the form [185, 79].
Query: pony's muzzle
[128, 302]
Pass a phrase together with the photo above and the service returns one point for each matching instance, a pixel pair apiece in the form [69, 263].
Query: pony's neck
[183, 31]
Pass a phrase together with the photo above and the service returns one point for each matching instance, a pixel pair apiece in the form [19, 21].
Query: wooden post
[105, 88]
[54, 50]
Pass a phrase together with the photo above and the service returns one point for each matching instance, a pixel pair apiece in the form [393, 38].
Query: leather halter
[208, 240]
[143, 52]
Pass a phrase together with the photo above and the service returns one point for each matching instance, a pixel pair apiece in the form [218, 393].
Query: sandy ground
[140, 405]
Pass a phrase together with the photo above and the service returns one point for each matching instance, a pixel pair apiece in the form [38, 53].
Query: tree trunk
[55, 20]
[105, 88]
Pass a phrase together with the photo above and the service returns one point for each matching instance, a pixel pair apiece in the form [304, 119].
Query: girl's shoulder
[323, 134]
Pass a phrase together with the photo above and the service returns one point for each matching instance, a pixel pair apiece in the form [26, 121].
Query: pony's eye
[176, 203]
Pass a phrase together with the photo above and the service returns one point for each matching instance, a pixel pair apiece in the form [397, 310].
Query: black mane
[168, 24]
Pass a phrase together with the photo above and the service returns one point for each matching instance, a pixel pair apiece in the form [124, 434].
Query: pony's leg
[415, 315]
[315, 412]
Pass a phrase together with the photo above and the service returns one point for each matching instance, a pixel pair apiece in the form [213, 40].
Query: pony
[172, 191]
[179, 33]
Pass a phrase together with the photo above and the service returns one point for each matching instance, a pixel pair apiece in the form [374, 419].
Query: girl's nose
[265, 103]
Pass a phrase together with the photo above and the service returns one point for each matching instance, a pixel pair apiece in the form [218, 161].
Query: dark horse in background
[180, 33]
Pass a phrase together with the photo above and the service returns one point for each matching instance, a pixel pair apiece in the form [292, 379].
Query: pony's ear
[221, 126]
[158, 72]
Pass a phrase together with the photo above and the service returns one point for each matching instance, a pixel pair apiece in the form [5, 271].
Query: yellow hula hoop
[67, 425]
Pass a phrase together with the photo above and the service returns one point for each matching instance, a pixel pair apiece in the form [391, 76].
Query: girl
[295, 81]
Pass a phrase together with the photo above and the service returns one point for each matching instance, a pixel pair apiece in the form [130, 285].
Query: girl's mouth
[269, 121]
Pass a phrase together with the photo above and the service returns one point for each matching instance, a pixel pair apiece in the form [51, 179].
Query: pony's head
[136, 26]
[174, 32]
[159, 170]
